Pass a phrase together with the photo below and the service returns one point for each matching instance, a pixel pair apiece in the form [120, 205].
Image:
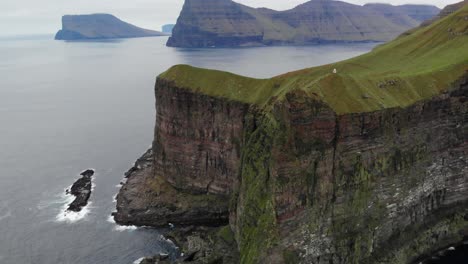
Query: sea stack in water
[100, 26]
[81, 189]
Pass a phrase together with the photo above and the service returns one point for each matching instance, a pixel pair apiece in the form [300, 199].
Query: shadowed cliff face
[193, 167]
[214, 23]
[224, 23]
[198, 137]
[361, 188]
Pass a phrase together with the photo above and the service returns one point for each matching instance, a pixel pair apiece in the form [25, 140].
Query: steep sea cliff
[363, 161]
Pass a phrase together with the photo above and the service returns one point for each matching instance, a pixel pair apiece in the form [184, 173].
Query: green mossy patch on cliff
[256, 219]
[183, 200]
[414, 67]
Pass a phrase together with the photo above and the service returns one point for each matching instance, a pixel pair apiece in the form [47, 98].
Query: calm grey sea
[69, 106]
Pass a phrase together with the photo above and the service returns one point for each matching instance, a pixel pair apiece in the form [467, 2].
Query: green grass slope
[414, 67]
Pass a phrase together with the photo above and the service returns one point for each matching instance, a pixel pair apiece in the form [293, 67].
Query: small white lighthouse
[334, 71]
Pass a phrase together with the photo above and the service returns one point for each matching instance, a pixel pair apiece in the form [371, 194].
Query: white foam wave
[72, 217]
[138, 261]
[69, 216]
[120, 228]
[67, 199]
[111, 220]
[121, 183]
[125, 228]
[167, 240]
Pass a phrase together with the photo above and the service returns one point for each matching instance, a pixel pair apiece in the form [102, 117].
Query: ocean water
[69, 106]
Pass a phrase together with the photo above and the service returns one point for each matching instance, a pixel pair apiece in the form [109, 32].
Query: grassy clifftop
[414, 67]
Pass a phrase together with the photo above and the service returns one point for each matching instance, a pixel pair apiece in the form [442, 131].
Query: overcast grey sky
[19, 17]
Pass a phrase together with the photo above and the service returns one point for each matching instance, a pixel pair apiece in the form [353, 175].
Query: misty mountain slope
[224, 23]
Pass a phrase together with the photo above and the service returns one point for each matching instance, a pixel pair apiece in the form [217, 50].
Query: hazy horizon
[32, 17]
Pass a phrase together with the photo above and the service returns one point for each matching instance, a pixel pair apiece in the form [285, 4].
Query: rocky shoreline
[197, 244]
[200, 245]
[145, 200]
[81, 189]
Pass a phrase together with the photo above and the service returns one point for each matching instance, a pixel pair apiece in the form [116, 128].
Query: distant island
[225, 23]
[100, 26]
[168, 28]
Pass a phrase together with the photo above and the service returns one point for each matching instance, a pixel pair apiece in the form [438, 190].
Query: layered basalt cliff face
[208, 134]
[224, 23]
[366, 165]
[380, 187]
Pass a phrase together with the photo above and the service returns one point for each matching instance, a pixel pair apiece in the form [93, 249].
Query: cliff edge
[100, 26]
[361, 161]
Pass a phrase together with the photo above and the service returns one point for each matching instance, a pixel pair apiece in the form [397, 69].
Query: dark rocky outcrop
[81, 189]
[456, 254]
[224, 23]
[100, 26]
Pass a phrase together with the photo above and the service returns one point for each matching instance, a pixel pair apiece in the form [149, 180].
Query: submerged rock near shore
[360, 161]
[81, 189]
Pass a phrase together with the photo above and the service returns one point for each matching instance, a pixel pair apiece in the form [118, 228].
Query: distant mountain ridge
[100, 26]
[419, 13]
[446, 11]
[168, 28]
[405, 14]
[224, 23]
